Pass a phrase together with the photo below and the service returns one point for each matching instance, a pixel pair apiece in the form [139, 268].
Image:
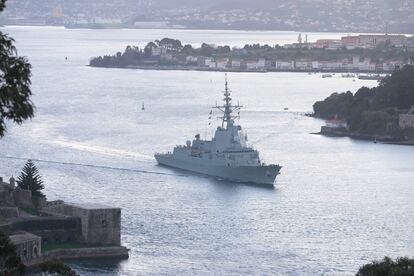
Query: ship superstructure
[227, 155]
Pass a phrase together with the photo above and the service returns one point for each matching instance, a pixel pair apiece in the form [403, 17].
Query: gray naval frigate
[226, 156]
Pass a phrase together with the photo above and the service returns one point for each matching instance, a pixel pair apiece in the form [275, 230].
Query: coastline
[233, 70]
[119, 252]
[329, 132]
[210, 28]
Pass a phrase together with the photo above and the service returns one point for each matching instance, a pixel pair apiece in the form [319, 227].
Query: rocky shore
[119, 252]
[385, 139]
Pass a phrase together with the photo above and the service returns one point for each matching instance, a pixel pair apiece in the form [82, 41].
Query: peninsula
[362, 53]
[382, 113]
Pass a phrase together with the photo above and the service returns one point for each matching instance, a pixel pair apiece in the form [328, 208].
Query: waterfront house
[407, 120]
[336, 123]
[303, 65]
[236, 63]
[363, 64]
[315, 65]
[210, 63]
[284, 65]
[222, 63]
[261, 63]
[335, 126]
[192, 60]
[331, 65]
[256, 64]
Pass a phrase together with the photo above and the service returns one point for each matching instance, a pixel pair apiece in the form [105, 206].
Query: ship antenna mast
[227, 108]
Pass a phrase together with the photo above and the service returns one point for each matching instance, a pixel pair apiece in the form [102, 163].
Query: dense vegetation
[373, 110]
[388, 267]
[10, 263]
[15, 93]
[56, 267]
[134, 55]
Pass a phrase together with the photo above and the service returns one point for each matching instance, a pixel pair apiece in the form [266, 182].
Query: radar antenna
[228, 108]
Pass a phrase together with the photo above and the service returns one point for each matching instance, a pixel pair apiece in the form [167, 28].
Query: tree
[56, 267]
[187, 49]
[10, 263]
[30, 179]
[148, 48]
[372, 110]
[15, 103]
[388, 267]
[171, 44]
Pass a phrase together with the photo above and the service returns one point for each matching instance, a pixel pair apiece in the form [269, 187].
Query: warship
[226, 156]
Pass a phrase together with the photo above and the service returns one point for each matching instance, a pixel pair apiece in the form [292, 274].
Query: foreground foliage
[388, 267]
[373, 110]
[10, 263]
[56, 267]
[15, 93]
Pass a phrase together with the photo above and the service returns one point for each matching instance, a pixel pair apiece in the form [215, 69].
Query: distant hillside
[396, 16]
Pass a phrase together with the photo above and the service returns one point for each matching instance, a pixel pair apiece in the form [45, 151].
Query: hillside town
[304, 15]
[358, 53]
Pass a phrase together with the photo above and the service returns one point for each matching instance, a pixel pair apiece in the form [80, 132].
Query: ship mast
[227, 108]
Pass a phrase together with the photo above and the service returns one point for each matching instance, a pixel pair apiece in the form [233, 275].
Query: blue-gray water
[338, 203]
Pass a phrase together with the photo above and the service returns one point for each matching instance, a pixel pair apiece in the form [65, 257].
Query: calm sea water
[338, 203]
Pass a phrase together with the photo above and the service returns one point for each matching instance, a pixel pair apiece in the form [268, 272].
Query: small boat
[370, 77]
[348, 75]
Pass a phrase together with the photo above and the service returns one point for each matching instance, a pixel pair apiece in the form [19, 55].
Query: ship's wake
[102, 150]
[91, 166]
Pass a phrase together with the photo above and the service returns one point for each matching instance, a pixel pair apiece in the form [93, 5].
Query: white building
[336, 123]
[210, 63]
[222, 63]
[236, 63]
[158, 51]
[191, 59]
[303, 65]
[284, 65]
[315, 64]
[407, 120]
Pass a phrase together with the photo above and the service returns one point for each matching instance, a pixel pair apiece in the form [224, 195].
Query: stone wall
[101, 225]
[6, 194]
[9, 212]
[23, 198]
[118, 252]
[51, 229]
[93, 252]
[28, 246]
[406, 121]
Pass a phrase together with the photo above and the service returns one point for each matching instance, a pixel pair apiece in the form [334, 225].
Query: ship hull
[264, 175]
